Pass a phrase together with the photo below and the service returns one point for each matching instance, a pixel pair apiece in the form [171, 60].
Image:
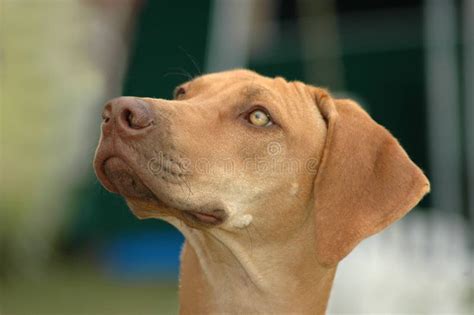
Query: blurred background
[69, 247]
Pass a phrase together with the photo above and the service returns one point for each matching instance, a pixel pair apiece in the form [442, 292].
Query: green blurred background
[69, 247]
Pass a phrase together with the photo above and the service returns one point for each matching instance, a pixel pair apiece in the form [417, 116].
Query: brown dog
[271, 182]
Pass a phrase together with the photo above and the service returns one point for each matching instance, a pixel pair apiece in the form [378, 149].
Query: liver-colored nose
[129, 115]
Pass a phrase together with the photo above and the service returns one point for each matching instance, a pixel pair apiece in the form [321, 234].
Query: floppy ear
[365, 181]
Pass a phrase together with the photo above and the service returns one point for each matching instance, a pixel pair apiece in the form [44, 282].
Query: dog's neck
[240, 272]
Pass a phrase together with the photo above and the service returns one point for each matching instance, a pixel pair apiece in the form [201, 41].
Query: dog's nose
[129, 115]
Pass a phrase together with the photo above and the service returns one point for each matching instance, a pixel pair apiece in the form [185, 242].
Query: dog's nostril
[107, 113]
[133, 120]
[105, 118]
[136, 117]
[127, 116]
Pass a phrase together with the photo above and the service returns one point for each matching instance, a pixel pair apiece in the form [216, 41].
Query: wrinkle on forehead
[256, 91]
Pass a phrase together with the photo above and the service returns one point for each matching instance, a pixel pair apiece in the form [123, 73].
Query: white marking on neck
[242, 221]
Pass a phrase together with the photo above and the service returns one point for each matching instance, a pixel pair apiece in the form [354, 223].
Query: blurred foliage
[45, 100]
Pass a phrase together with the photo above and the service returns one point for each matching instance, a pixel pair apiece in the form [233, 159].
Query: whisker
[193, 61]
[183, 74]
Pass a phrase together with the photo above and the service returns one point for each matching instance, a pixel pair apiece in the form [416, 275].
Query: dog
[271, 182]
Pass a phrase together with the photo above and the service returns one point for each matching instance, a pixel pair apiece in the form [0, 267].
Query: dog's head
[236, 148]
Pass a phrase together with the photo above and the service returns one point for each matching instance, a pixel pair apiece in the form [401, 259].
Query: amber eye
[179, 92]
[260, 118]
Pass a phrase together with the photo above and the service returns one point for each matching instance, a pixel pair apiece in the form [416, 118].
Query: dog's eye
[179, 92]
[260, 118]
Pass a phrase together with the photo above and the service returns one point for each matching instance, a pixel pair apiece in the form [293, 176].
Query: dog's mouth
[211, 218]
[118, 177]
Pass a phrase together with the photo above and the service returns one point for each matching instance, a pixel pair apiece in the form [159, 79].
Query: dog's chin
[120, 178]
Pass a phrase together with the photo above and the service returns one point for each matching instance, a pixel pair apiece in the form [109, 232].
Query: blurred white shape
[229, 35]
[421, 264]
[443, 110]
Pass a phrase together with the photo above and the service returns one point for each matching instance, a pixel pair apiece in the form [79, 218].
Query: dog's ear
[365, 181]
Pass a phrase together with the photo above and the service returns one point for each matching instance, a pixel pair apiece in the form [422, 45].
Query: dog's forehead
[228, 80]
[248, 82]
[231, 75]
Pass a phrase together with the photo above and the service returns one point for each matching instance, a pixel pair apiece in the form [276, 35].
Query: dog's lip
[211, 218]
[100, 172]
